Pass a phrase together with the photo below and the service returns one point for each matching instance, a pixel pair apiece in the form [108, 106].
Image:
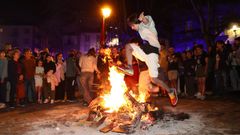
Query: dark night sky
[55, 18]
[85, 14]
[37, 11]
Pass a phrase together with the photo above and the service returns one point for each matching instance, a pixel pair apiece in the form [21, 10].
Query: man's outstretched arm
[143, 19]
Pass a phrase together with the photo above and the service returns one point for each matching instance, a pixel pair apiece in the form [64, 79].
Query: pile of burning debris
[119, 110]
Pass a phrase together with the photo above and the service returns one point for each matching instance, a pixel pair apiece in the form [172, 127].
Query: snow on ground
[75, 124]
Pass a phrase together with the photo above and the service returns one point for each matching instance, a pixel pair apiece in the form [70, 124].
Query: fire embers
[140, 116]
[123, 121]
[118, 110]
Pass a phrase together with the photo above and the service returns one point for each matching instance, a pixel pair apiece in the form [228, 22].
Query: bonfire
[118, 109]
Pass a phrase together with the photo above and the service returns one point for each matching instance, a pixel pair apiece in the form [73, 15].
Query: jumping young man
[148, 51]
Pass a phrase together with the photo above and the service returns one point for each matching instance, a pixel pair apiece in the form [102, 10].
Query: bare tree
[205, 20]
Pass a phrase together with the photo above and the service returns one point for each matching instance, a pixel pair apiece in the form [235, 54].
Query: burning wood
[120, 111]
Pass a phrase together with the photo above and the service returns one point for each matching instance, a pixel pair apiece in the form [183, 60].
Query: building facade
[21, 36]
[82, 42]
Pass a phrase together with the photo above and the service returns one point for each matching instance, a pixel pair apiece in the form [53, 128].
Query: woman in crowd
[201, 71]
[39, 73]
[49, 81]
[172, 68]
[60, 66]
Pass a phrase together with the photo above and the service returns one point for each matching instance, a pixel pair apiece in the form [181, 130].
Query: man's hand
[141, 17]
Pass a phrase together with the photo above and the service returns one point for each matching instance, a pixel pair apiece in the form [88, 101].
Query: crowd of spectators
[40, 77]
[197, 72]
[37, 77]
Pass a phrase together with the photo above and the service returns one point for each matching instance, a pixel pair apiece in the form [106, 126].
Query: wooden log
[94, 105]
[107, 128]
[140, 109]
[92, 115]
[127, 129]
[98, 123]
[140, 106]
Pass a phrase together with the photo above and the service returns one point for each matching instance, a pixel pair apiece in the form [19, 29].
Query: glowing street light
[106, 11]
[235, 28]
[233, 31]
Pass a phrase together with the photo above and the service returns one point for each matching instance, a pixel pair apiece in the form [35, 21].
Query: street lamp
[106, 11]
[234, 28]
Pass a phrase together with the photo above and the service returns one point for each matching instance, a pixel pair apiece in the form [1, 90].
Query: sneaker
[21, 105]
[2, 105]
[85, 104]
[72, 101]
[208, 92]
[46, 101]
[11, 106]
[202, 97]
[57, 101]
[52, 101]
[197, 94]
[173, 97]
[126, 70]
[39, 101]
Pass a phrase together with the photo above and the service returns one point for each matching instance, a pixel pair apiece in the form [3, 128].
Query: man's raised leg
[128, 69]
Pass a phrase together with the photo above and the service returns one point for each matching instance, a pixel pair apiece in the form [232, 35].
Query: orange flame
[107, 53]
[116, 98]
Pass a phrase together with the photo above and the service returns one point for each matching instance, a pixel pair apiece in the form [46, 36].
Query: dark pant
[219, 83]
[70, 89]
[182, 83]
[13, 91]
[47, 90]
[87, 82]
[79, 86]
[238, 70]
[60, 91]
[210, 81]
[30, 90]
[190, 85]
[3, 92]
